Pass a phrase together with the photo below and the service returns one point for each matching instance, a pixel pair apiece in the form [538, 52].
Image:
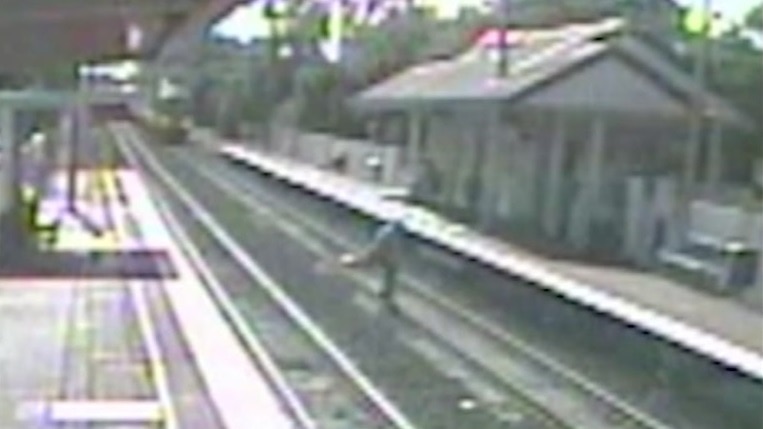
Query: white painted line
[156, 361]
[675, 330]
[241, 326]
[240, 393]
[276, 292]
[101, 412]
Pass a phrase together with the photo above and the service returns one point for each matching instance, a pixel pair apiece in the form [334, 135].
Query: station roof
[43, 33]
[538, 57]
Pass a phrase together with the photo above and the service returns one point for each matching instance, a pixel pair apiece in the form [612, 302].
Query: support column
[691, 158]
[552, 205]
[715, 157]
[591, 184]
[475, 175]
[488, 203]
[13, 235]
[463, 158]
[413, 145]
[74, 136]
[514, 153]
[65, 136]
[9, 158]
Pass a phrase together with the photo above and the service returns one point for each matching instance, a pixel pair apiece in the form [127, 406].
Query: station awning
[45, 33]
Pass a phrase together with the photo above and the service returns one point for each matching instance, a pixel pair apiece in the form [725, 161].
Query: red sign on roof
[491, 37]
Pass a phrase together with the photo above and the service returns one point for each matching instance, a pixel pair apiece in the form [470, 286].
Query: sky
[246, 22]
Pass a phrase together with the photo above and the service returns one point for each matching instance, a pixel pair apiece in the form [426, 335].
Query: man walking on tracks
[386, 251]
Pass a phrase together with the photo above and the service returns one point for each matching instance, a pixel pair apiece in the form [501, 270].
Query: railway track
[319, 384]
[533, 417]
[543, 393]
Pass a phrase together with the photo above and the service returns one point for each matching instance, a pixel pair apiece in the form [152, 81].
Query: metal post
[8, 160]
[475, 187]
[598, 152]
[81, 124]
[414, 141]
[592, 182]
[555, 178]
[65, 135]
[490, 174]
[273, 82]
[714, 167]
[75, 134]
[13, 236]
[503, 54]
[697, 117]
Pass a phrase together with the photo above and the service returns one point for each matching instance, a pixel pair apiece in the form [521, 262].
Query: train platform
[116, 340]
[712, 326]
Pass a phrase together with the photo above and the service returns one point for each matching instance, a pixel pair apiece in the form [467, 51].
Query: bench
[720, 248]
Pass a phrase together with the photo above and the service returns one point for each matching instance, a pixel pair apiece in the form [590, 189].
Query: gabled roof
[536, 57]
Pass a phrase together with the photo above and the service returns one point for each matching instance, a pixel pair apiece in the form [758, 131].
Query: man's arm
[368, 253]
[361, 258]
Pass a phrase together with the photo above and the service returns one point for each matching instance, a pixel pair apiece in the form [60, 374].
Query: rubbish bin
[742, 268]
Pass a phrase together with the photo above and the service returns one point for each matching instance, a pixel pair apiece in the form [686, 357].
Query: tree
[738, 75]
[754, 19]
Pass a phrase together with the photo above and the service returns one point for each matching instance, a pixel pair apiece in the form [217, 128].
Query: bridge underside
[36, 34]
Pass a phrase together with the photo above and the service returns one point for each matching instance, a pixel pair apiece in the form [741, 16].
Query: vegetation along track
[544, 387]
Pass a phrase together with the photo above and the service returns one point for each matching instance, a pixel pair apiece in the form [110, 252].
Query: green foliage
[249, 87]
[737, 74]
[754, 18]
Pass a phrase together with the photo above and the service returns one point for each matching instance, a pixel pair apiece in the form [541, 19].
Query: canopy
[36, 34]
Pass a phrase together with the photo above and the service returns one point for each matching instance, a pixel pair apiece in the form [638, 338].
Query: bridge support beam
[14, 236]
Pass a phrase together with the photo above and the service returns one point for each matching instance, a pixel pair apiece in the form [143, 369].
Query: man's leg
[389, 284]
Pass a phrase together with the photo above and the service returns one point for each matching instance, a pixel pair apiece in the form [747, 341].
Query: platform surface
[67, 340]
[116, 348]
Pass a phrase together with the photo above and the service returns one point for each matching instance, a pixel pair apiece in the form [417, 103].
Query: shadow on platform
[148, 265]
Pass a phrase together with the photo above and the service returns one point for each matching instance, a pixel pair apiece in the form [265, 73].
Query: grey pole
[7, 159]
[696, 125]
[78, 133]
[12, 234]
[74, 135]
[503, 49]
[698, 115]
